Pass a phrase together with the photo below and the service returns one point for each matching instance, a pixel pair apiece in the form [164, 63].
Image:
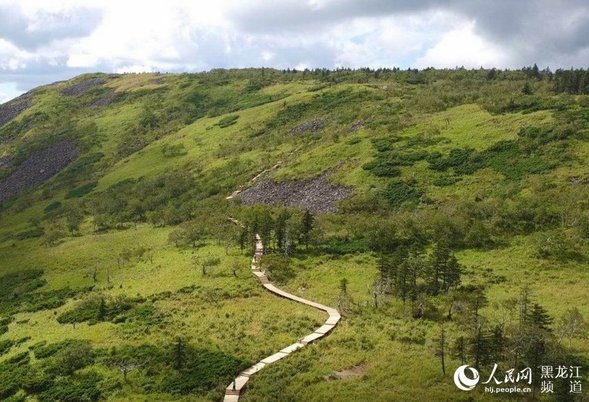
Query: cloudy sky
[44, 41]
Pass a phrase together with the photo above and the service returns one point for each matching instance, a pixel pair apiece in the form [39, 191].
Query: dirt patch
[306, 127]
[83, 87]
[13, 108]
[353, 372]
[39, 167]
[317, 195]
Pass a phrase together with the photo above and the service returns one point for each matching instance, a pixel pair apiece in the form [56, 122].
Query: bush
[81, 190]
[95, 309]
[400, 192]
[228, 121]
[5, 346]
[74, 389]
[34, 232]
[54, 206]
[71, 357]
[43, 351]
[170, 151]
[277, 268]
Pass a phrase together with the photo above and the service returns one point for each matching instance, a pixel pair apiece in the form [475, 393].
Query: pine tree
[441, 348]
[496, 343]
[444, 271]
[280, 230]
[527, 89]
[102, 310]
[538, 316]
[179, 353]
[459, 349]
[307, 226]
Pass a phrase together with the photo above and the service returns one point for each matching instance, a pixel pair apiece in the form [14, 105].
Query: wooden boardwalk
[237, 386]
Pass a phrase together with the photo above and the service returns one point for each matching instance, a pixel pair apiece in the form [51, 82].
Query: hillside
[437, 209]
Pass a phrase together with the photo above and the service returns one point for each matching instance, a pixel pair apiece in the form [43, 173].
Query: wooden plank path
[237, 386]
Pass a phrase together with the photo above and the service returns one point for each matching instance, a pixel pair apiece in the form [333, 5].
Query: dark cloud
[531, 30]
[289, 33]
[45, 27]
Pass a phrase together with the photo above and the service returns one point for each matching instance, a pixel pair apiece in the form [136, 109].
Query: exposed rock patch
[39, 167]
[106, 99]
[13, 108]
[83, 87]
[306, 127]
[317, 195]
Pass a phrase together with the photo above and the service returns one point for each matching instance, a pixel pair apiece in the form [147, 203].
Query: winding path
[234, 390]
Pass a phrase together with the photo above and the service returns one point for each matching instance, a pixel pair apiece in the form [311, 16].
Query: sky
[42, 41]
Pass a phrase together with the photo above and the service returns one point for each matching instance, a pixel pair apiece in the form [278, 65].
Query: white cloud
[48, 41]
[463, 47]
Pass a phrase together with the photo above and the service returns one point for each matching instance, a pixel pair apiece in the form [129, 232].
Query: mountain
[443, 212]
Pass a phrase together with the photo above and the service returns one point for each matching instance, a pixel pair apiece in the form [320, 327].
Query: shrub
[228, 120]
[5, 346]
[399, 192]
[74, 389]
[278, 268]
[54, 206]
[170, 151]
[43, 351]
[71, 357]
[34, 232]
[95, 309]
[81, 190]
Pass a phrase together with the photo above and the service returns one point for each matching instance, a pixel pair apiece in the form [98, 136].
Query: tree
[74, 217]
[572, 325]
[280, 231]
[124, 256]
[444, 271]
[277, 267]
[53, 233]
[125, 367]
[459, 349]
[102, 311]
[478, 345]
[235, 268]
[527, 89]
[538, 316]
[307, 225]
[207, 262]
[179, 353]
[189, 233]
[265, 224]
[496, 343]
[378, 290]
[344, 300]
[441, 348]
[73, 357]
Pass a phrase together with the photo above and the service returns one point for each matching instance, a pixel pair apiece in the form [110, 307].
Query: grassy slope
[392, 369]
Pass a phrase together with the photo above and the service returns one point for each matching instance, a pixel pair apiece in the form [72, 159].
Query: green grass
[224, 127]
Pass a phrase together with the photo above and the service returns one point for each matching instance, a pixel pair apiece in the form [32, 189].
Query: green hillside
[437, 209]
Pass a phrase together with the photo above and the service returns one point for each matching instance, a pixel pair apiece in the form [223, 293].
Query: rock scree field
[442, 214]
